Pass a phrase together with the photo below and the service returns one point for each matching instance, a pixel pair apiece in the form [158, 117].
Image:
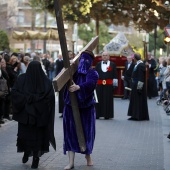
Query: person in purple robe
[85, 80]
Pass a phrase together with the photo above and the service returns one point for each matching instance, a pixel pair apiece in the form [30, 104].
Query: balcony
[23, 5]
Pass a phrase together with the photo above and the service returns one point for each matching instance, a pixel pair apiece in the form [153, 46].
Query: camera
[166, 3]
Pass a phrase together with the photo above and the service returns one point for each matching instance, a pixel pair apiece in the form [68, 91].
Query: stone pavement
[120, 144]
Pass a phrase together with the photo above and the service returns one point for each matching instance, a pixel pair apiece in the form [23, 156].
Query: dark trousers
[5, 107]
[2, 108]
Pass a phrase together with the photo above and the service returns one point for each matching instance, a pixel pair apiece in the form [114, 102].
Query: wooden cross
[65, 76]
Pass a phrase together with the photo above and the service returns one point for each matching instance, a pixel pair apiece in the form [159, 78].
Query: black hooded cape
[33, 103]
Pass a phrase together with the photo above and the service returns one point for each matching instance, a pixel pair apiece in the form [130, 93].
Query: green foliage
[4, 41]
[141, 13]
[86, 32]
[159, 40]
[140, 51]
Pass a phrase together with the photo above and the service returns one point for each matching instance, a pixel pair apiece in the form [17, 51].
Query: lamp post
[167, 40]
[45, 29]
[155, 37]
[73, 41]
[145, 44]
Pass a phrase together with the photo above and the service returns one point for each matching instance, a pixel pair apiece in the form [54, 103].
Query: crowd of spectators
[13, 64]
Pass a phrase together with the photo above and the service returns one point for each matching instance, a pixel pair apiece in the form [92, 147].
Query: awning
[35, 35]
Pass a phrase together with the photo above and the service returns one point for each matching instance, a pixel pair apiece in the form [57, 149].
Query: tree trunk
[97, 32]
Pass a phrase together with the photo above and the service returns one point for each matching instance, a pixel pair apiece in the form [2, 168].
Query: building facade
[18, 15]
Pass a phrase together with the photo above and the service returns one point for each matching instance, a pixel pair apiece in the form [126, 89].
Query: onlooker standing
[34, 109]
[25, 60]
[7, 108]
[152, 90]
[13, 69]
[138, 107]
[22, 65]
[59, 66]
[162, 79]
[46, 63]
[4, 95]
[71, 56]
[127, 74]
[166, 75]
[37, 58]
[105, 87]
[51, 69]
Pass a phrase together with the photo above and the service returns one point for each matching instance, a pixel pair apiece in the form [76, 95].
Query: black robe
[127, 73]
[152, 90]
[104, 107]
[59, 67]
[33, 102]
[138, 107]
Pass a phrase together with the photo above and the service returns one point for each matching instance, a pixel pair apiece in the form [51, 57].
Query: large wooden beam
[66, 75]
[63, 77]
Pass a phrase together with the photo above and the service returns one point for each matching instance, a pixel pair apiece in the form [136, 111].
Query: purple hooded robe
[86, 78]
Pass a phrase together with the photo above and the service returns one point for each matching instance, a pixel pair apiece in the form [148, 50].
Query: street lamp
[167, 41]
[73, 41]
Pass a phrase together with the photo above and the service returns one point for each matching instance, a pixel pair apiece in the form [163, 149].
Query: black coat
[138, 107]
[152, 90]
[33, 100]
[59, 66]
[12, 74]
[127, 73]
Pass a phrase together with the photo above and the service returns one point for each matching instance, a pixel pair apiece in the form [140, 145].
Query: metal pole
[168, 43]
[73, 46]
[155, 36]
[45, 29]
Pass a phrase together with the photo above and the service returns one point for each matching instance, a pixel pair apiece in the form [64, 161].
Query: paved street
[120, 144]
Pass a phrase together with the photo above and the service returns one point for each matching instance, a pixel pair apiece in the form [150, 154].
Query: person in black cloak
[152, 90]
[138, 106]
[59, 66]
[33, 102]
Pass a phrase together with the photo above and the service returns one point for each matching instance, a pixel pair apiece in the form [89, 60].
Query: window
[21, 17]
[38, 19]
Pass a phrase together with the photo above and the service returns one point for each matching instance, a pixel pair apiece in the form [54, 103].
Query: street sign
[167, 30]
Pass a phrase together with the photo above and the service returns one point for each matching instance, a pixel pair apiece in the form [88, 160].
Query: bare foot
[89, 160]
[68, 167]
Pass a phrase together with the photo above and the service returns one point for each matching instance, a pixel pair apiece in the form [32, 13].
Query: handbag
[3, 85]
